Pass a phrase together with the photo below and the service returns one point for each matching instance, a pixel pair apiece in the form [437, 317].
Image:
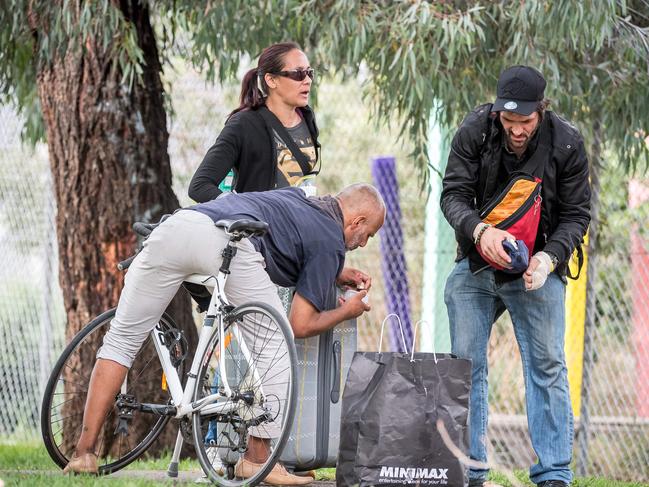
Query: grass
[522, 476]
[37, 479]
[33, 456]
[29, 464]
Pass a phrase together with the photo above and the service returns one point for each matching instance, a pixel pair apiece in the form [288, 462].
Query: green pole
[439, 251]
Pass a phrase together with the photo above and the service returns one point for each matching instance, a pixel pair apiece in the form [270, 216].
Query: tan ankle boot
[277, 476]
[86, 463]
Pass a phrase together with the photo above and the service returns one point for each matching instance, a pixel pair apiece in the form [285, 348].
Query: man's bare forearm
[320, 323]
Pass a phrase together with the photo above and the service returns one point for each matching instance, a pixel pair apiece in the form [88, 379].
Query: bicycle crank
[186, 430]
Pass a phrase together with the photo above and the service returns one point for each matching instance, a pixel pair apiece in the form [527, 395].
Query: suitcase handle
[335, 387]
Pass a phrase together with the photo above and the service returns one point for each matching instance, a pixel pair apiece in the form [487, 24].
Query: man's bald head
[363, 211]
[361, 197]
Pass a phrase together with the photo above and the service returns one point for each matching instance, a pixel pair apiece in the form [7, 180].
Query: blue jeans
[473, 303]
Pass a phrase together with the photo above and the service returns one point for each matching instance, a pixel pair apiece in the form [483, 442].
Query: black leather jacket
[246, 144]
[471, 180]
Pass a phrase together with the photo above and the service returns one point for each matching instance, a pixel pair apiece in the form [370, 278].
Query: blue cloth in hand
[519, 254]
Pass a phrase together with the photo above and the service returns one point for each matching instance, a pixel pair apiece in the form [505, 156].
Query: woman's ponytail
[251, 96]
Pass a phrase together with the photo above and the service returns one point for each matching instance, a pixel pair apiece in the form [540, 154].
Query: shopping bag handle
[414, 341]
[403, 337]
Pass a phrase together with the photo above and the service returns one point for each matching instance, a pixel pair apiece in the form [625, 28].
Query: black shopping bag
[390, 407]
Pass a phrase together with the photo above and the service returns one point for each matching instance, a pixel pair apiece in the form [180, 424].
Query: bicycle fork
[172, 470]
[183, 397]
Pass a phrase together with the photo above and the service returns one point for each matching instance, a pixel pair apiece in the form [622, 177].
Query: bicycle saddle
[245, 228]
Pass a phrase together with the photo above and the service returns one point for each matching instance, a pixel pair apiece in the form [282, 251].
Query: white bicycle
[228, 395]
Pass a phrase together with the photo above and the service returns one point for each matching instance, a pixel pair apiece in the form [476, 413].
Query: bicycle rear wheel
[67, 387]
[264, 394]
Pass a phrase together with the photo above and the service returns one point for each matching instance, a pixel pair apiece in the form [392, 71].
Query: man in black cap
[495, 144]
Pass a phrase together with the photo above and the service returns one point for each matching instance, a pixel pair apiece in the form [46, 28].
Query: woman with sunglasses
[271, 140]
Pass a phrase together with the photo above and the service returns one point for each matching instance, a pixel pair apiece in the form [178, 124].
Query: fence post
[575, 324]
[591, 301]
[393, 262]
[439, 249]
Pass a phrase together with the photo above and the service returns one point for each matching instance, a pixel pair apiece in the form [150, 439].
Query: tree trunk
[108, 155]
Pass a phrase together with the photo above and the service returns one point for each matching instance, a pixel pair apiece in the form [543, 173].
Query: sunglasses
[297, 74]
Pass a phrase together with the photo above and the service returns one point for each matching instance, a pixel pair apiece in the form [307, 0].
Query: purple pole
[393, 262]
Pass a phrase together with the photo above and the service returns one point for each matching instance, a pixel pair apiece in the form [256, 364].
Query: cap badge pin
[511, 105]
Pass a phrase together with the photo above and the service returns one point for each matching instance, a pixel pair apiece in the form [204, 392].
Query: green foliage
[219, 33]
[33, 34]
[617, 219]
[593, 53]
[420, 57]
[17, 70]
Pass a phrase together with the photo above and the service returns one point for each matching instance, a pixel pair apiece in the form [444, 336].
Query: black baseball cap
[520, 89]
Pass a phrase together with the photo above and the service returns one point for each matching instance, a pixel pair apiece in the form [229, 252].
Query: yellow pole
[575, 323]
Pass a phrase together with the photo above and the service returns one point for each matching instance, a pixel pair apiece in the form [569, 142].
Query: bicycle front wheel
[260, 371]
[121, 440]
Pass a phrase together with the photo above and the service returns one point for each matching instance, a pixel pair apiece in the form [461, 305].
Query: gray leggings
[187, 243]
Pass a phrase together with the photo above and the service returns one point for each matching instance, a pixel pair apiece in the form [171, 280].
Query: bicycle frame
[182, 398]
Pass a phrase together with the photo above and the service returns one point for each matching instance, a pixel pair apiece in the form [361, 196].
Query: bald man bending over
[305, 248]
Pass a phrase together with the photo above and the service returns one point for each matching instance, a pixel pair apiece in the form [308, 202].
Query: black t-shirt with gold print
[289, 172]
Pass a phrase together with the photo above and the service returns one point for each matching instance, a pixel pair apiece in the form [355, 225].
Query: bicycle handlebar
[123, 265]
[143, 229]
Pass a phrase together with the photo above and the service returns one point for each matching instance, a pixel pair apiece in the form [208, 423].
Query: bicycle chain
[187, 430]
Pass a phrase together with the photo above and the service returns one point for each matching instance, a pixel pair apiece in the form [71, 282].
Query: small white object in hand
[351, 293]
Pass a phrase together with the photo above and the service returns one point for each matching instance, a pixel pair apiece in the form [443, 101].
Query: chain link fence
[31, 309]
[613, 443]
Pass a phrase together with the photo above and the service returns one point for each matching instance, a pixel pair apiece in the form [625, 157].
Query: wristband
[480, 233]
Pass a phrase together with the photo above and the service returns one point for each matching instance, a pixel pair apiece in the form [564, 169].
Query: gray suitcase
[323, 362]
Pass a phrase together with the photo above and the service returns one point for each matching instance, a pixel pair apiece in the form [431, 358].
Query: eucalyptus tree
[89, 73]
[92, 70]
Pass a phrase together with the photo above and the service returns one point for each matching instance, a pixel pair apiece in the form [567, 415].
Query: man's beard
[353, 244]
[514, 146]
